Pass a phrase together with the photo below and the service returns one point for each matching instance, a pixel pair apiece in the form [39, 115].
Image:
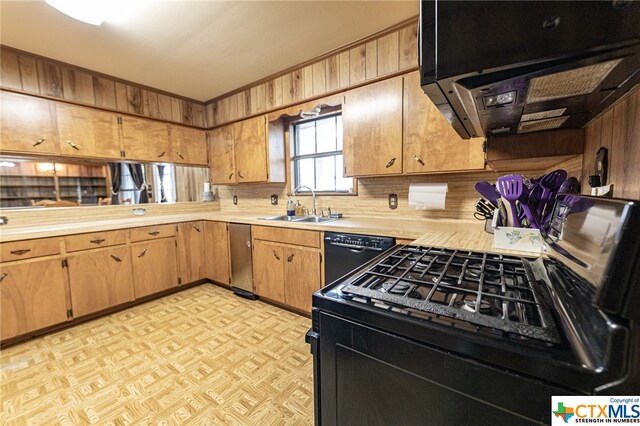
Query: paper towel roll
[426, 196]
[207, 187]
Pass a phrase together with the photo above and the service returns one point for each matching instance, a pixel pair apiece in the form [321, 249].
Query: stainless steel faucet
[313, 194]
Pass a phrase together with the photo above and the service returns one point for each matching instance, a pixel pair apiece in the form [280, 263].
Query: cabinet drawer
[152, 232]
[18, 250]
[95, 240]
[287, 236]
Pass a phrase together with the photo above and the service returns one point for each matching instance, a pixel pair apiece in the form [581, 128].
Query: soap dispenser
[291, 210]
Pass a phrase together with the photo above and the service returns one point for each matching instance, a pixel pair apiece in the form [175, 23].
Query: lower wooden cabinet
[286, 273]
[154, 266]
[32, 296]
[216, 240]
[100, 279]
[191, 252]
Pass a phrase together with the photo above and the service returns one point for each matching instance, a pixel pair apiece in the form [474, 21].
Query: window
[317, 155]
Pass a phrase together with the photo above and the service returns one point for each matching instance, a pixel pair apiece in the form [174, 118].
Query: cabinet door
[32, 296]
[372, 129]
[430, 143]
[250, 150]
[86, 132]
[268, 270]
[216, 239]
[145, 140]
[301, 276]
[188, 145]
[99, 279]
[191, 252]
[154, 266]
[27, 124]
[223, 165]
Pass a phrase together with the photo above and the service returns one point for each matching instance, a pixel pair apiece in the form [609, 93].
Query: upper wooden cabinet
[372, 129]
[188, 145]
[27, 124]
[145, 140]
[223, 163]
[251, 150]
[86, 132]
[430, 143]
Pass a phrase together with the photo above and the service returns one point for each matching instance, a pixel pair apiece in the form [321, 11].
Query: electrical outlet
[274, 200]
[235, 200]
[393, 201]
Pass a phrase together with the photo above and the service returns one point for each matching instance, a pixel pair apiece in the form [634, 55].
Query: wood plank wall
[618, 130]
[32, 74]
[379, 56]
[190, 182]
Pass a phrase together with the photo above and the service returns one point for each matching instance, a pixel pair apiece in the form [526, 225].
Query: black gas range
[428, 335]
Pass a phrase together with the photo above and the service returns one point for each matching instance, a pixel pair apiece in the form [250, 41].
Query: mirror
[46, 182]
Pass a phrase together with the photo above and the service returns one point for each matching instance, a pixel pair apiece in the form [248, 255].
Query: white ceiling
[198, 49]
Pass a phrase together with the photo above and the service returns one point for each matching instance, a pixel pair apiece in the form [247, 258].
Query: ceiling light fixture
[95, 12]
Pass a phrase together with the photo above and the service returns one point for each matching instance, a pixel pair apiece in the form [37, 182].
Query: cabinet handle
[415, 157]
[116, 258]
[154, 232]
[230, 176]
[390, 163]
[98, 241]
[276, 255]
[240, 174]
[196, 228]
[142, 253]
[180, 155]
[161, 154]
[39, 141]
[3, 276]
[73, 145]
[20, 252]
[290, 258]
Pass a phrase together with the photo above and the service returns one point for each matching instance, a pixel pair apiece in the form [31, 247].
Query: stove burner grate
[481, 289]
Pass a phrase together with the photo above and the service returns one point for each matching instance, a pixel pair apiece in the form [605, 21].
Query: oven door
[364, 376]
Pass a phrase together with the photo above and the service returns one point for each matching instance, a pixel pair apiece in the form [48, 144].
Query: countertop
[450, 233]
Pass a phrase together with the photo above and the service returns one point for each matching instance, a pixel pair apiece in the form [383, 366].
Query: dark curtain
[137, 174]
[163, 196]
[116, 182]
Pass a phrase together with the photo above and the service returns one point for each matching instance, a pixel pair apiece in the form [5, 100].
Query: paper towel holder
[393, 201]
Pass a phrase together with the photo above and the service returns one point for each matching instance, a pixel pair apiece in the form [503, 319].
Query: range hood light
[501, 99]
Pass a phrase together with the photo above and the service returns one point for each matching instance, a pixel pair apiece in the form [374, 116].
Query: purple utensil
[570, 186]
[488, 191]
[510, 187]
[550, 183]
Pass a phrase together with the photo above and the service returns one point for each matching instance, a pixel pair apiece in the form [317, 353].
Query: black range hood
[498, 67]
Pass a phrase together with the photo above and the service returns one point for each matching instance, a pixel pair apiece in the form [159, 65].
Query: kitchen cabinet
[223, 163]
[430, 143]
[248, 151]
[154, 266]
[100, 279]
[86, 132]
[32, 296]
[27, 125]
[216, 240]
[188, 145]
[287, 265]
[191, 251]
[145, 140]
[372, 129]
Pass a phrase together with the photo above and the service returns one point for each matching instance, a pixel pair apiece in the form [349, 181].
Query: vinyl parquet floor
[199, 357]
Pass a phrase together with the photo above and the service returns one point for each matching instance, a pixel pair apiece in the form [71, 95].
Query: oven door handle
[356, 247]
[312, 339]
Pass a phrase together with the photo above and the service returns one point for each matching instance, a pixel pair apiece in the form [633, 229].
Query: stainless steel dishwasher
[241, 267]
[345, 252]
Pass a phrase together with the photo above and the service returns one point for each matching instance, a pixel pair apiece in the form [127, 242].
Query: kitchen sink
[301, 219]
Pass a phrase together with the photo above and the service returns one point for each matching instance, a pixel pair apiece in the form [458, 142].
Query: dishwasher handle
[356, 247]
